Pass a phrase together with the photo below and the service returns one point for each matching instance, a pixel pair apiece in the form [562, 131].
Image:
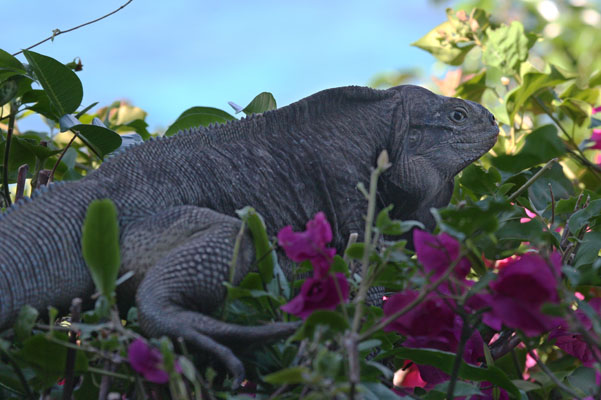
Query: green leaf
[582, 218]
[444, 361]
[376, 391]
[60, 83]
[532, 81]
[506, 47]
[390, 227]
[263, 249]
[8, 90]
[332, 320]
[541, 145]
[588, 252]
[48, 358]
[435, 43]
[103, 140]
[100, 245]
[262, 102]
[293, 375]
[9, 62]
[462, 389]
[198, 116]
[479, 180]
[25, 322]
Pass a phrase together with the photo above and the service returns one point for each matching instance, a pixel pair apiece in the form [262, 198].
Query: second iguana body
[176, 199]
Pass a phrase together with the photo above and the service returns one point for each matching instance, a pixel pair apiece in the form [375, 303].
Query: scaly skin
[176, 199]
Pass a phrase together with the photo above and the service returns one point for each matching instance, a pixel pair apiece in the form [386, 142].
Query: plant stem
[465, 333]
[532, 180]
[9, 133]
[51, 177]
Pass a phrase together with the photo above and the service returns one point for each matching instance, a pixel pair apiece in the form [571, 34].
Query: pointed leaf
[60, 83]
[100, 245]
[263, 248]
[434, 43]
[103, 140]
[506, 47]
[198, 116]
[261, 103]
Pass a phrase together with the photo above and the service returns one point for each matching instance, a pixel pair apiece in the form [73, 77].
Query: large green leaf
[48, 358]
[262, 102]
[506, 47]
[533, 80]
[100, 245]
[541, 145]
[103, 140]
[198, 116]
[582, 218]
[444, 361]
[9, 66]
[60, 83]
[434, 43]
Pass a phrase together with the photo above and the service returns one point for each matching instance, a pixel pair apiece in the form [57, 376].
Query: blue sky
[168, 56]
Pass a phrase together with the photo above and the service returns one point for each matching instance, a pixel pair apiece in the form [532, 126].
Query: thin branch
[71, 353]
[532, 180]
[21, 177]
[9, 133]
[51, 177]
[58, 32]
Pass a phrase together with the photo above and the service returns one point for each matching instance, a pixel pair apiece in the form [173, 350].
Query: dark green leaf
[48, 358]
[8, 90]
[261, 103]
[100, 245]
[479, 180]
[293, 375]
[582, 218]
[25, 322]
[333, 320]
[198, 116]
[102, 140]
[7, 61]
[541, 145]
[444, 361]
[60, 83]
[377, 391]
[263, 249]
[588, 251]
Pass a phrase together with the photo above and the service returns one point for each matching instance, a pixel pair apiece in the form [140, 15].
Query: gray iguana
[176, 199]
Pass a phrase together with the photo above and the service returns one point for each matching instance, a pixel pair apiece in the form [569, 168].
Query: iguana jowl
[176, 199]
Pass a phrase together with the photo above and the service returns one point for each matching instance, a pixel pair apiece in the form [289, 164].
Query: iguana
[176, 199]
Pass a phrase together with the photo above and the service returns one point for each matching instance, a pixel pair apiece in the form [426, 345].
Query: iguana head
[433, 138]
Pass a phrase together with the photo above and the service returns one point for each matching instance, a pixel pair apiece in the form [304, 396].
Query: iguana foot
[185, 283]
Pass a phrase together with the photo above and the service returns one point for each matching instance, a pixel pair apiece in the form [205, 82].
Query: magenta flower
[429, 317]
[437, 253]
[596, 139]
[572, 342]
[522, 287]
[147, 361]
[318, 294]
[310, 244]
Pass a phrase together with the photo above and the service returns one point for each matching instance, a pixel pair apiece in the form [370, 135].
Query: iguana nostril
[492, 119]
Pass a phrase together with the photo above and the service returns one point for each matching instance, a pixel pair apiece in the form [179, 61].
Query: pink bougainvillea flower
[408, 376]
[596, 139]
[437, 253]
[318, 294]
[147, 361]
[572, 342]
[310, 244]
[530, 215]
[596, 109]
[522, 287]
[429, 317]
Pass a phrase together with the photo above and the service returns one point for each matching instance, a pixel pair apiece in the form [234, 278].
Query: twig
[70, 364]
[51, 177]
[504, 345]
[465, 334]
[552, 204]
[105, 382]
[58, 32]
[9, 134]
[532, 180]
[21, 178]
[551, 375]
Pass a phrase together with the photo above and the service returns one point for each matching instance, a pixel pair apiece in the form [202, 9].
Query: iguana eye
[458, 115]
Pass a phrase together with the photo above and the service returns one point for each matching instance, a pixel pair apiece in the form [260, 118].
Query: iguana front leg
[193, 249]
